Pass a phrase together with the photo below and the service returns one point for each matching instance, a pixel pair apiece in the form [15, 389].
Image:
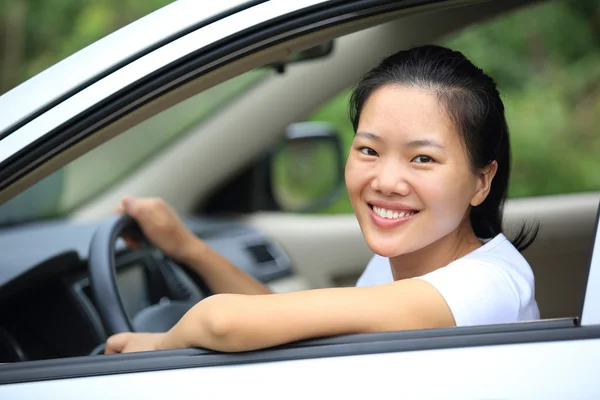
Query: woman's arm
[164, 229]
[218, 273]
[240, 323]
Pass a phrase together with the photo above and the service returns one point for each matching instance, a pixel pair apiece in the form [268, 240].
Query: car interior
[213, 175]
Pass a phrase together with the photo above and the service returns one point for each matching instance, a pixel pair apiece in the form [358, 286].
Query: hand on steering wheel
[160, 225]
[103, 281]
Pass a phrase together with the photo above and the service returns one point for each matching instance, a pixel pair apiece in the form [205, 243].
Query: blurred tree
[34, 34]
[545, 60]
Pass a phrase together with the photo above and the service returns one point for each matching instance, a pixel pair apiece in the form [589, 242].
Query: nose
[390, 179]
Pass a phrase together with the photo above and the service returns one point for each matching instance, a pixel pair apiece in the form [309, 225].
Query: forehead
[395, 110]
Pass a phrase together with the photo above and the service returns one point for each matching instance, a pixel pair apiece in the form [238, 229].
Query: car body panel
[516, 371]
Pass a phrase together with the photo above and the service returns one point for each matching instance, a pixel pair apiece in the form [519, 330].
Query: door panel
[560, 255]
[329, 250]
[324, 249]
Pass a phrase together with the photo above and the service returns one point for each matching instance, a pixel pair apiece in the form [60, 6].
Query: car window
[71, 186]
[548, 79]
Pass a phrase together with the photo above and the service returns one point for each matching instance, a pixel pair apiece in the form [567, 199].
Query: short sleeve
[377, 272]
[477, 293]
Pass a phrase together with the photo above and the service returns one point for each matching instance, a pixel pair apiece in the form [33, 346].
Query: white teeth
[382, 212]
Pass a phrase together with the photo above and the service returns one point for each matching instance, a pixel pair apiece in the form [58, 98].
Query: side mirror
[307, 169]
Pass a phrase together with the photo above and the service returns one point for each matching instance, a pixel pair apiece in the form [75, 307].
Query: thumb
[121, 208]
[132, 207]
[128, 204]
[116, 343]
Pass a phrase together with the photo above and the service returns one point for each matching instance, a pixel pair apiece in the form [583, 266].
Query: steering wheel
[103, 282]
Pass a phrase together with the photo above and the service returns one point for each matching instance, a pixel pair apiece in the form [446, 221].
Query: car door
[471, 362]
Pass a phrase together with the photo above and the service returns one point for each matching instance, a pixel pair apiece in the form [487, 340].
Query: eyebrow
[413, 143]
[368, 135]
[424, 143]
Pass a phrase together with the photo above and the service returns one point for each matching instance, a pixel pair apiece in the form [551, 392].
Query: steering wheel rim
[102, 272]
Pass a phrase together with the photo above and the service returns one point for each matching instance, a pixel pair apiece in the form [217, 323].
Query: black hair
[472, 101]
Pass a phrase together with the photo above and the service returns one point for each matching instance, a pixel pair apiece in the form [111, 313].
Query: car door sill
[348, 345]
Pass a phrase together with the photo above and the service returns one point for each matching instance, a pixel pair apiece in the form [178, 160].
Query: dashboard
[47, 308]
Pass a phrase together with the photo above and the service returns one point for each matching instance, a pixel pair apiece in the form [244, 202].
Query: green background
[545, 59]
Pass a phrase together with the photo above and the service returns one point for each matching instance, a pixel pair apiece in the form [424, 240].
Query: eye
[368, 151]
[423, 159]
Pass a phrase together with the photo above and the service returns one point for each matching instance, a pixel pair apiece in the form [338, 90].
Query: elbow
[221, 325]
[218, 325]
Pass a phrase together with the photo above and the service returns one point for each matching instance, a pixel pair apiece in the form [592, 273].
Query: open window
[192, 75]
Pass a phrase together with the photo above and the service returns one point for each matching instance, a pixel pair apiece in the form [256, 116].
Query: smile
[386, 218]
[391, 214]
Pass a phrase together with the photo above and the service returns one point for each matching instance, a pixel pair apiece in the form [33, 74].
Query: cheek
[447, 195]
[353, 177]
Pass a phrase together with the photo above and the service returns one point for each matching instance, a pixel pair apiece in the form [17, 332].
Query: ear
[484, 183]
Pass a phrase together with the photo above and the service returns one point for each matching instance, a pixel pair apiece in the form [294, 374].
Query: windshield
[106, 165]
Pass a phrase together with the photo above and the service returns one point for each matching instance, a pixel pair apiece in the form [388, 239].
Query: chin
[386, 247]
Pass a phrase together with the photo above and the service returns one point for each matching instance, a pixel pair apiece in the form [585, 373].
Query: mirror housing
[306, 170]
[313, 53]
[302, 173]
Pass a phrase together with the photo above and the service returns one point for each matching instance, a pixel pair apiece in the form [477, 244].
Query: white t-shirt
[493, 284]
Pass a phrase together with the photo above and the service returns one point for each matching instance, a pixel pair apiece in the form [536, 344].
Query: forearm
[242, 323]
[220, 274]
[231, 322]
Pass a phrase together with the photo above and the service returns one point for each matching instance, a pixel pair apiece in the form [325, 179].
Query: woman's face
[407, 173]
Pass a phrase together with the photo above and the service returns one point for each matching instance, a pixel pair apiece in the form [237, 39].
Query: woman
[427, 175]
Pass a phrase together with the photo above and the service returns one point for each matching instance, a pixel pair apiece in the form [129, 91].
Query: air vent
[261, 253]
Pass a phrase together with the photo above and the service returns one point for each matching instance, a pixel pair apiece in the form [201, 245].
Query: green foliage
[35, 34]
[545, 61]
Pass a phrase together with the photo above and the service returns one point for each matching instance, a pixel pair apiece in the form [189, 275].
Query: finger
[116, 343]
[127, 198]
[120, 208]
[132, 206]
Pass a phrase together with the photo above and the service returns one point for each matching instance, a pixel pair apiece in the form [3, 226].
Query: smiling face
[408, 174]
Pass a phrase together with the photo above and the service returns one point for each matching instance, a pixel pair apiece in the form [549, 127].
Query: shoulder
[476, 292]
[494, 284]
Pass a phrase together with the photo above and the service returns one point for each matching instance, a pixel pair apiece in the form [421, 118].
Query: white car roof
[106, 54]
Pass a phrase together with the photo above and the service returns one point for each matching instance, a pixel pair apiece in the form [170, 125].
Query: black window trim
[349, 345]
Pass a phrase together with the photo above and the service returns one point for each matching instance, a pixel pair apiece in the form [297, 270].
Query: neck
[449, 248]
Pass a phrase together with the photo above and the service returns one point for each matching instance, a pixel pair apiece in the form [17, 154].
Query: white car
[239, 78]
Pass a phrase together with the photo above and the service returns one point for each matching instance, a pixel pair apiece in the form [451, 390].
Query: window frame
[125, 101]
